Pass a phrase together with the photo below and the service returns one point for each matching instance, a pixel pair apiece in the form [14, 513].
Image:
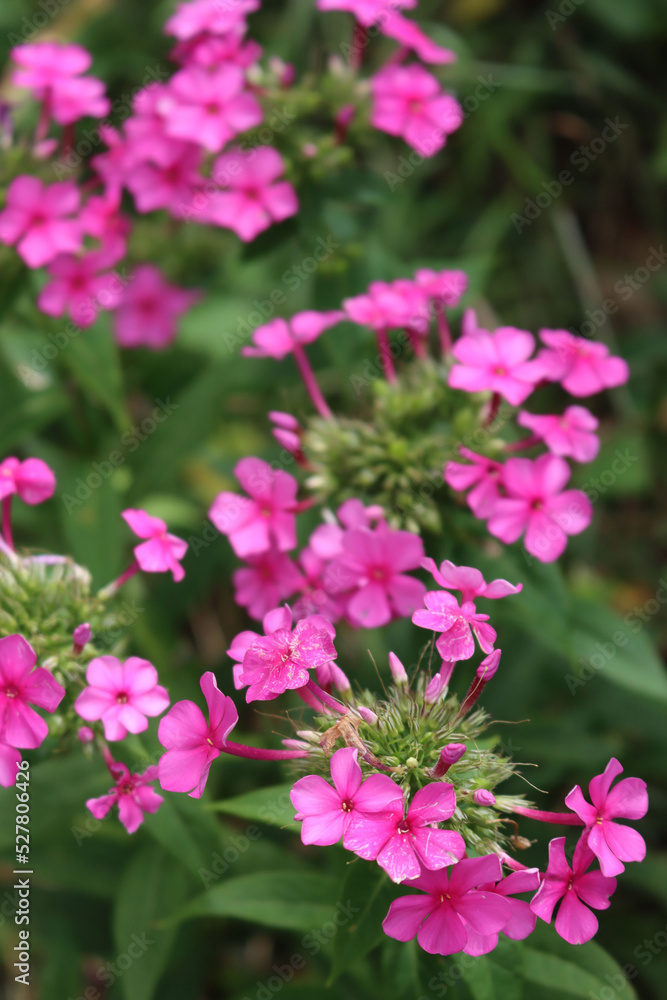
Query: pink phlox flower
[444, 287]
[452, 903]
[256, 195]
[149, 309]
[404, 842]
[10, 758]
[270, 578]
[52, 71]
[216, 50]
[581, 366]
[483, 478]
[168, 182]
[23, 685]
[577, 888]
[273, 620]
[408, 102]
[326, 540]
[314, 599]
[469, 581]
[326, 811]
[277, 338]
[32, 480]
[415, 304]
[386, 306]
[537, 504]
[282, 660]
[192, 742]
[457, 624]
[263, 518]
[611, 842]
[162, 552]
[82, 285]
[38, 218]
[496, 362]
[146, 128]
[208, 17]
[329, 675]
[210, 107]
[410, 36]
[101, 217]
[366, 12]
[114, 165]
[121, 695]
[570, 434]
[372, 570]
[133, 795]
[522, 920]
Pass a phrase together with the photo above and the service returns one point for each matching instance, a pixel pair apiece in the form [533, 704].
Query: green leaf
[184, 830]
[150, 887]
[616, 648]
[268, 805]
[368, 891]
[92, 357]
[487, 979]
[552, 964]
[293, 902]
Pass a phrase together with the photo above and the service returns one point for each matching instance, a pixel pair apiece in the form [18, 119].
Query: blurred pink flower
[210, 106]
[402, 844]
[582, 366]
[484, 476]
[170, 183]
[326, 811]
[216, 50]
[20, 687]
[52, 71]
[121, 695]
[408, 102]
[612, 843]
[257, 194]
[149, 309]
[445, 287]
[162, 552]
[575, 886]
[570, 434]
[270, 578]
[10, 758]
[78, 287]
[133, 795]
[32, 480]
[279, 337]
[265, 517]
[537, 504]
[208, 17]
[453, 903]
[193, 743]
[38, 218]
[457, 624]
[496, 362]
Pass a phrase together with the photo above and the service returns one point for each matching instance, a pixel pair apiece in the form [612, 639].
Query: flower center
[403, 826]
[11, 691]
[500, 370]
[347, 806]
[536, 505]
[379, 573]
[126, 789]
[121, 698]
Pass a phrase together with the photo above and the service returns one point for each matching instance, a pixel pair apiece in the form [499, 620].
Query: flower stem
[111, 588]
[258, 753]
[567, 819]
[526, 442]
[7, 520]
[384, 349]
[443, 330]
[325, 698]
[494, 406]
[359, 43]
[308, 376]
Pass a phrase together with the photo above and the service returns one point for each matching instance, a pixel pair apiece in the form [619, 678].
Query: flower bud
[434, 689]
[483, 797]
[296, 744]
[367, 715]
[81, 635]
[485, 671]
[448, 756]
[85, 734]
[397, 670]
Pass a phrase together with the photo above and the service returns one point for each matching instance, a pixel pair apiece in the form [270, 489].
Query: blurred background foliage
[538, 82]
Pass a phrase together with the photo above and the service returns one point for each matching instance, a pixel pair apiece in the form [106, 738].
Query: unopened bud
[81, 635]
[296, 744]
[85, 734]
[483, 797]
[308, 735]
[434, 689]
[397, 670]
[448, 755]
[485, 671]
[367, 715]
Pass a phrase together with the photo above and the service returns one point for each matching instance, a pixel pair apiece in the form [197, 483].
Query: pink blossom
[387, 306]
[326, 812]
[402, 844]
[77, 97]
[277, 338]
[269, 578]
[162, 552]
[521, 922]
[193, 743]
[469, 581]
[581, 366]
[149, 309]
[32, 480]
[314, 598]
[146, 128]
[210, 107]
[167, 183]
[208, 16]
[121, 695]
[484, 476]
[568, 435]
[445, 287]
[133, 795]
[216, 50]
[575, 886]
[280, 661]
[537, 504]
[114, 166]
[453, 903]
[78, 287]
[53, 72]
[457, 624]
[366, 12]
[257, 194]
[409, 102]
[277, 618]
[327, 540]
[10, 758]
[101, 217]
[38, 218]
[371, 570]
[496, 362]
[612, 843]
[21, 686]
[263, 518]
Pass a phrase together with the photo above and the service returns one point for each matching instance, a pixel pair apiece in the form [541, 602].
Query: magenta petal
[183, 727]
[585, 811]
[148, 798]
[594, 889]
[186, 770]
[406, 915]
[574, 921]
[152, 702]
[521, 922]
[379, 793]
[346, 772]
[444, 933]
[223, 715]
[100, 807]
[398, 858]
[10, 758]
[624, 842]
[473, 872]
[105, 673]
[325, 828]
[628, 799]
[312, 795]
[92, 703]
[487, 912]
[42, 689]
[599, 786]
[129, 813]
[366, 836]
[23, 727]
[17, 658]
[438, 848]
[432, 804]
